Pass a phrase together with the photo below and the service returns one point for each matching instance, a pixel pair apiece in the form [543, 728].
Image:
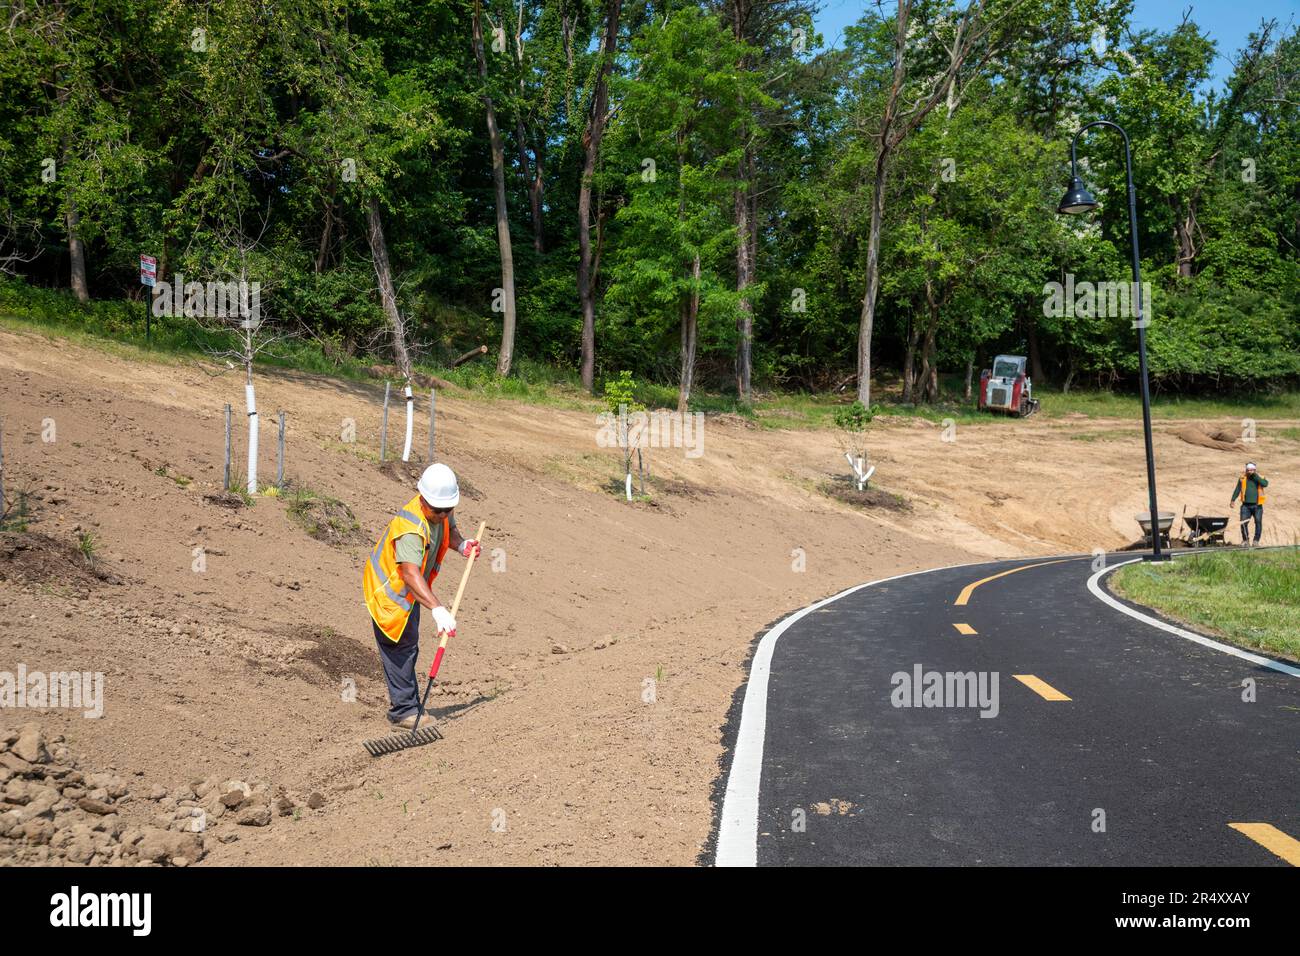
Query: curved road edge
[737, 829]
[1094, 585]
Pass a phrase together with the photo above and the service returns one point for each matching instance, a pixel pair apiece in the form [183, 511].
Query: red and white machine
[1007, 388]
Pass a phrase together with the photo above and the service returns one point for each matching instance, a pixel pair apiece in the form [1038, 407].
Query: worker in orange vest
[1250, 488]
[398, 579]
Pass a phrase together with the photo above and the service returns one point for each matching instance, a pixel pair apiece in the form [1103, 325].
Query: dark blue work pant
[398, 659]
[1247, 512]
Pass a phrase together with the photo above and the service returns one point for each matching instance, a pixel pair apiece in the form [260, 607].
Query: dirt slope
[552, 754]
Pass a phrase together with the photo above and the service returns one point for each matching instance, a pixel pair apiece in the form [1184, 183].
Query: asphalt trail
[1155, 734]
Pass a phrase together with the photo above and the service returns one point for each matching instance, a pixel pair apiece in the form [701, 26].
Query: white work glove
[443, 619]
[470, 546]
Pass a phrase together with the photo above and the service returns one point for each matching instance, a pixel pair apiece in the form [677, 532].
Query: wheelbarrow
[1166, 521]
[1205, 530]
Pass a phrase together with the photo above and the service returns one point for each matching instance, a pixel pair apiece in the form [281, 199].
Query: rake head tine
[395, 742]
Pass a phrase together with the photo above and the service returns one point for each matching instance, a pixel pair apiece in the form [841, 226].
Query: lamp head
[1077, 199]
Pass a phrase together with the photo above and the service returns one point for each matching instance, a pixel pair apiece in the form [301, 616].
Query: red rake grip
[437, 660]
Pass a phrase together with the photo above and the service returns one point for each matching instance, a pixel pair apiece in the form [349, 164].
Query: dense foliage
[731, 189]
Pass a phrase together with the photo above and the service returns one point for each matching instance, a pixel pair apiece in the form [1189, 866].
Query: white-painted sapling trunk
[251, 401]
[857, 465]
[410, 422]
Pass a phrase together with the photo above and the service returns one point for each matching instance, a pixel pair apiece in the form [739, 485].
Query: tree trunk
[591, 140]
[76, 254]
[536, 194]
[970, 376]
[387, 291]
[1036, 371]
[909, 360]
[690, 325]
[1184, 231]
[521, 132]
[745, 266]
[741, 24]
[866, 321]
[72, 222]
[322, 250]
[884, 153]
[506, 356]
[927, 388]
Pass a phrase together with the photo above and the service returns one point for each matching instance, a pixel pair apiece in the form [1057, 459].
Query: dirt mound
[731, 418]
[326, 519]
[848, 493]
[337, 656]
[35, 558]
[225, 499]
[403, 472]
[685, 489]
[1220, 440]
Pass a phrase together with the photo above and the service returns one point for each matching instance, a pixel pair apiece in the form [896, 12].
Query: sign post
[149, 277]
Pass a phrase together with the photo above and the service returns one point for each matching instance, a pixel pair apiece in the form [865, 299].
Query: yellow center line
[965, 629]
[969, 589]
[1271, 839]
[1040, 687]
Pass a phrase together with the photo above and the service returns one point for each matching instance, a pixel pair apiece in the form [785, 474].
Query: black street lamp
[1077, 199]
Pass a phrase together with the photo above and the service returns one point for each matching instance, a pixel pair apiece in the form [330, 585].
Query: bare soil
[239, 647]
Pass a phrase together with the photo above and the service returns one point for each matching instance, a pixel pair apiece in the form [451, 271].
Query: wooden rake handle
[455, 605]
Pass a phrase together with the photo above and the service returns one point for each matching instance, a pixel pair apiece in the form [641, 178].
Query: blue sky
[1228, 22]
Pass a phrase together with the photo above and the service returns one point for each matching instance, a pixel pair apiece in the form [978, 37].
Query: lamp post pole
[1083, 203]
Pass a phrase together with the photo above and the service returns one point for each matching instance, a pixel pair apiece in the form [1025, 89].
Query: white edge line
[738, 826]
[1094, 585]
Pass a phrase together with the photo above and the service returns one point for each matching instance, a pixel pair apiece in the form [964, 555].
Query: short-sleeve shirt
[410, 547]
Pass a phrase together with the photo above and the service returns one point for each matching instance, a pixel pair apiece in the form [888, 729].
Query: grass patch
[1251, 598]
[322, 517]
[1113, 405]
[88, 545]
[1095, 436]
[15, 512]
[181, 480]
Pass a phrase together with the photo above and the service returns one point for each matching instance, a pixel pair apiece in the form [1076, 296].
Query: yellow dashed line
[965, 629]
[969, 589]
[1271, 839]
[1040, 687]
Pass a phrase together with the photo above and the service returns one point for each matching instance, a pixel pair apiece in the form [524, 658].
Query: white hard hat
[1250, 466]
[438, 487]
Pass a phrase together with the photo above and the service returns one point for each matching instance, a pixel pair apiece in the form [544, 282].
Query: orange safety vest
[1242, 492]
[386, 594]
